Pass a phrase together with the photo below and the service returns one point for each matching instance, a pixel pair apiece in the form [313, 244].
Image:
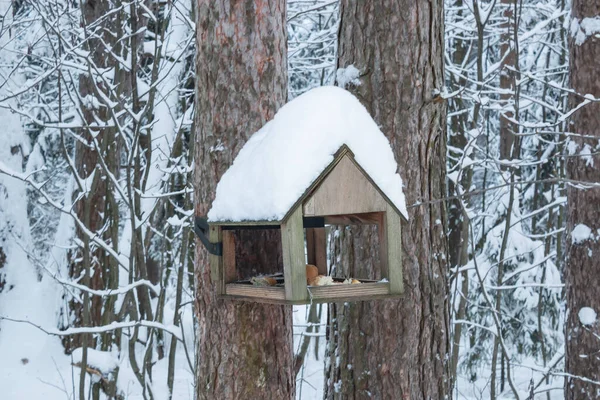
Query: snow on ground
[522, 376]
[282, 159]
[310, 380]
[103, 361]
[33, 364]
[30, 360]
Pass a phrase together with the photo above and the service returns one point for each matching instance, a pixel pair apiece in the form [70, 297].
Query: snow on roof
[282, 159]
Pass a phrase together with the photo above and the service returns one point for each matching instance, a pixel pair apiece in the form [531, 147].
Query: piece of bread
[263, 281]
[321, 280]
[351, 281]
[311, 272]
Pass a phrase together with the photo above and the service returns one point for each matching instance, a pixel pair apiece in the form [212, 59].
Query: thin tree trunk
[583, 212]
[397, 349]
[97, 160]
[509, 150]
[458, 224]
[103, 211]
[244, 350]
[507, 128]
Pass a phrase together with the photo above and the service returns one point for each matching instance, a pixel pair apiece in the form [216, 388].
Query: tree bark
[244, 350]
[582, 269]
[397, 349]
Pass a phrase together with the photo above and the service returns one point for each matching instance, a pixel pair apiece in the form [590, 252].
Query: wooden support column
[393, 248]
[316, 248]
[294, 265]
[214, 236]
[228, 264]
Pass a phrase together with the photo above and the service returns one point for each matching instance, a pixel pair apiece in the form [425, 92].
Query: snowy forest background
[114, 290]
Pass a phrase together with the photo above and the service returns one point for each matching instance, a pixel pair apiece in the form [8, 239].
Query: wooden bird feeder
[343, 194]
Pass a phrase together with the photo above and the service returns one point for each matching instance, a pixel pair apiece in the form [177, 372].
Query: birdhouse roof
[280, 162]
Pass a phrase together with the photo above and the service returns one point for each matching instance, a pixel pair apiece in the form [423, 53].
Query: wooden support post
[316, 248]
[294, 264]
[382, 236]
[228, 264]
[393, 248]
[214, 236]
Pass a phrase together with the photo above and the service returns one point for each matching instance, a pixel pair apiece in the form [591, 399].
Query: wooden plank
[346, 190]
[358, 291]
[314, 301]
[387, 199]
[229, 267]
[261, 300]
[316, 248]
[383, 248]
[294, 261]
[342, 151]
[261, 292]
[311, 257]
[393, 231]
[320, 236]
[355, 219]
[244, 224]
[214, 235]
[309, 206]
[320, 294]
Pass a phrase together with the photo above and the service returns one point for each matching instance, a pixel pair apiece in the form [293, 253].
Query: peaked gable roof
[342, 153]
[279, 165]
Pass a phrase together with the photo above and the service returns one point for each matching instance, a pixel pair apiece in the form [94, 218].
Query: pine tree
[396, 349]
[244, 350]
[583, 219]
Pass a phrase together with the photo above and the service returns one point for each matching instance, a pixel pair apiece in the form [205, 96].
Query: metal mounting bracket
[201, 229]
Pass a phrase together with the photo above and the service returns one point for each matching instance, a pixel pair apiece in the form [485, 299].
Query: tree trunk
[98, 210]
[582, 267]
[397, 349]
[507, 81]
[244, 350]
[457, 139]
[458, 223]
